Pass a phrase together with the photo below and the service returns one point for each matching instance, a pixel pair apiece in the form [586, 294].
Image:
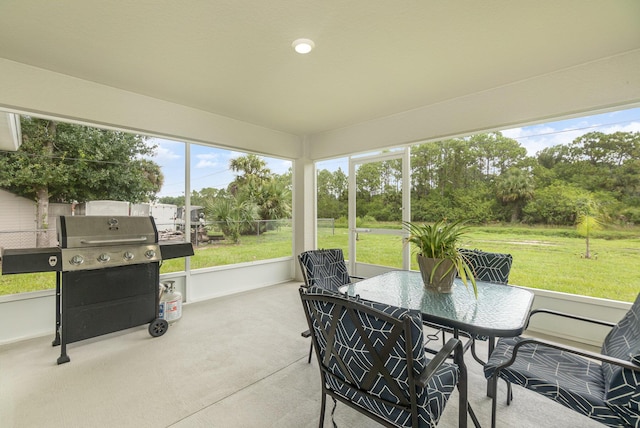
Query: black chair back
[324, 268]
[488, 267]
[371, 357]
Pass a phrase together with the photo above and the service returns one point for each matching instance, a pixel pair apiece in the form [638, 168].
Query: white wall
[17, 214]
[27, 315]
[33, 314]
[578, 331]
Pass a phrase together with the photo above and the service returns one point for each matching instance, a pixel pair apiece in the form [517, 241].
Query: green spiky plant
[440, 240]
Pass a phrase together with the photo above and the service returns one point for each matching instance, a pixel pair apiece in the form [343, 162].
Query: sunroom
[380, 78]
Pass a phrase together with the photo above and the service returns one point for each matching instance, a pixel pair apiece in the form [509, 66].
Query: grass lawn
[546, 258]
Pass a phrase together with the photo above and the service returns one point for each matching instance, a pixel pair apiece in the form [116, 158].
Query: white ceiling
[373, 58]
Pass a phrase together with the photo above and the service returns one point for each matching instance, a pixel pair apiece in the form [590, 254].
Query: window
[240, 204]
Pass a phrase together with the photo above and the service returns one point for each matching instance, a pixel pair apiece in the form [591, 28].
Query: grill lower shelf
[101, 301]
[84, 322]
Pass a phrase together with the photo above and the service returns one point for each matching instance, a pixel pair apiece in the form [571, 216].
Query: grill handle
[115, 241]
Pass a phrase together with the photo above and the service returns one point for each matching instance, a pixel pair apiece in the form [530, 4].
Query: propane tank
[170, 302]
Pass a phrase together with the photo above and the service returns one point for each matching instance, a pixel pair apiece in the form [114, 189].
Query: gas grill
[108, 274]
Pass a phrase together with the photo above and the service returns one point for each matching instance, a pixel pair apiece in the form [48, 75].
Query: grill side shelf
[31, 260]
[175, 249]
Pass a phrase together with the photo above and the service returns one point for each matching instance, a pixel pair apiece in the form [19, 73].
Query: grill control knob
[149, 254]
[104, 257]
[128, 256]
[76, 260]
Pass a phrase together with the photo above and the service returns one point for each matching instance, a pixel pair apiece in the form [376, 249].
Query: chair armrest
[566, 315]
[437, 361]
[570, 349]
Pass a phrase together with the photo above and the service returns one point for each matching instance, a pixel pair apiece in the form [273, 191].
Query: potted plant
[438, 256]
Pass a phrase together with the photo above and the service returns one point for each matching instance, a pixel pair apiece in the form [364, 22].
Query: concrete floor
[237, 361]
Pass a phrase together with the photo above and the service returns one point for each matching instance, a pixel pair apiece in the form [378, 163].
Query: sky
[210, 166]
[537, 137]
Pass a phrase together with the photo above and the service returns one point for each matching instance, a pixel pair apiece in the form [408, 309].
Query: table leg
[490, 385]
[464, 405]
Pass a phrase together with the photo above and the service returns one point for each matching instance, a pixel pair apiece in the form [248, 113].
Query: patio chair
[487, 267]
[603, 386]
[326, 269]
[371, 358]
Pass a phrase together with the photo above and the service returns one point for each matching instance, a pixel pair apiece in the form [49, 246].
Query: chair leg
[310, 352]
[494, 382]
[473, 352]
[324, 403]
[509, 393]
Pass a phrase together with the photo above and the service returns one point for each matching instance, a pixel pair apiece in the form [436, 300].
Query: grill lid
[98, 231]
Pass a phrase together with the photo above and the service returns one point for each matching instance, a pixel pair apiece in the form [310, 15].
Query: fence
[207, 232]
[27, 238]
[213, 231]
[326, 227]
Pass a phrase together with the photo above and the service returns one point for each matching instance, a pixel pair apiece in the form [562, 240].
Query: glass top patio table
[499, 311]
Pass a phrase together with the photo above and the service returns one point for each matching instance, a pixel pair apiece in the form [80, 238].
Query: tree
[235, 213]
[63, 162]
[172, 200]
[557, 204]
[497, 153]
[514, 188]
[275, 201]
[586, 225]
[252, 171]
[255, 193]
[332, 193]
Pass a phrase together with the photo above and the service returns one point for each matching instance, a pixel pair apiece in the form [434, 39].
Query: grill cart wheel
[158, 327]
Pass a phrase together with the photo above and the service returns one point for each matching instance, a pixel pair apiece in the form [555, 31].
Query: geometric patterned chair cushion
[568, 379]
[622, 386]
[488, 267]
[364, 358]
[324, 268]
[604, 392]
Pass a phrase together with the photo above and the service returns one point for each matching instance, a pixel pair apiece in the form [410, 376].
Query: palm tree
[251, 169]
[514, 188]
[589, 220]
[275, 201]
[235, 213]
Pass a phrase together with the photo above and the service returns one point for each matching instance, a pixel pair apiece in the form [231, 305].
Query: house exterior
[17, 221]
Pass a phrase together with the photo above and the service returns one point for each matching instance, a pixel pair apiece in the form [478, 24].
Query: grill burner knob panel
[100, 257]
[76, 260]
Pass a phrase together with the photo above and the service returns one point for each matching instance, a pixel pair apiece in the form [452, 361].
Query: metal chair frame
[309, 278]
[401, 327]
[549, 344]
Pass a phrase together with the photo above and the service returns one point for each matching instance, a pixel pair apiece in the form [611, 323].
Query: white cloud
[280, 166]
[166, 154]
[207, 160]
[538, 137]
[628, 127]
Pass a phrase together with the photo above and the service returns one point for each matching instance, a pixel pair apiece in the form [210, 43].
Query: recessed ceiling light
[303, 46]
